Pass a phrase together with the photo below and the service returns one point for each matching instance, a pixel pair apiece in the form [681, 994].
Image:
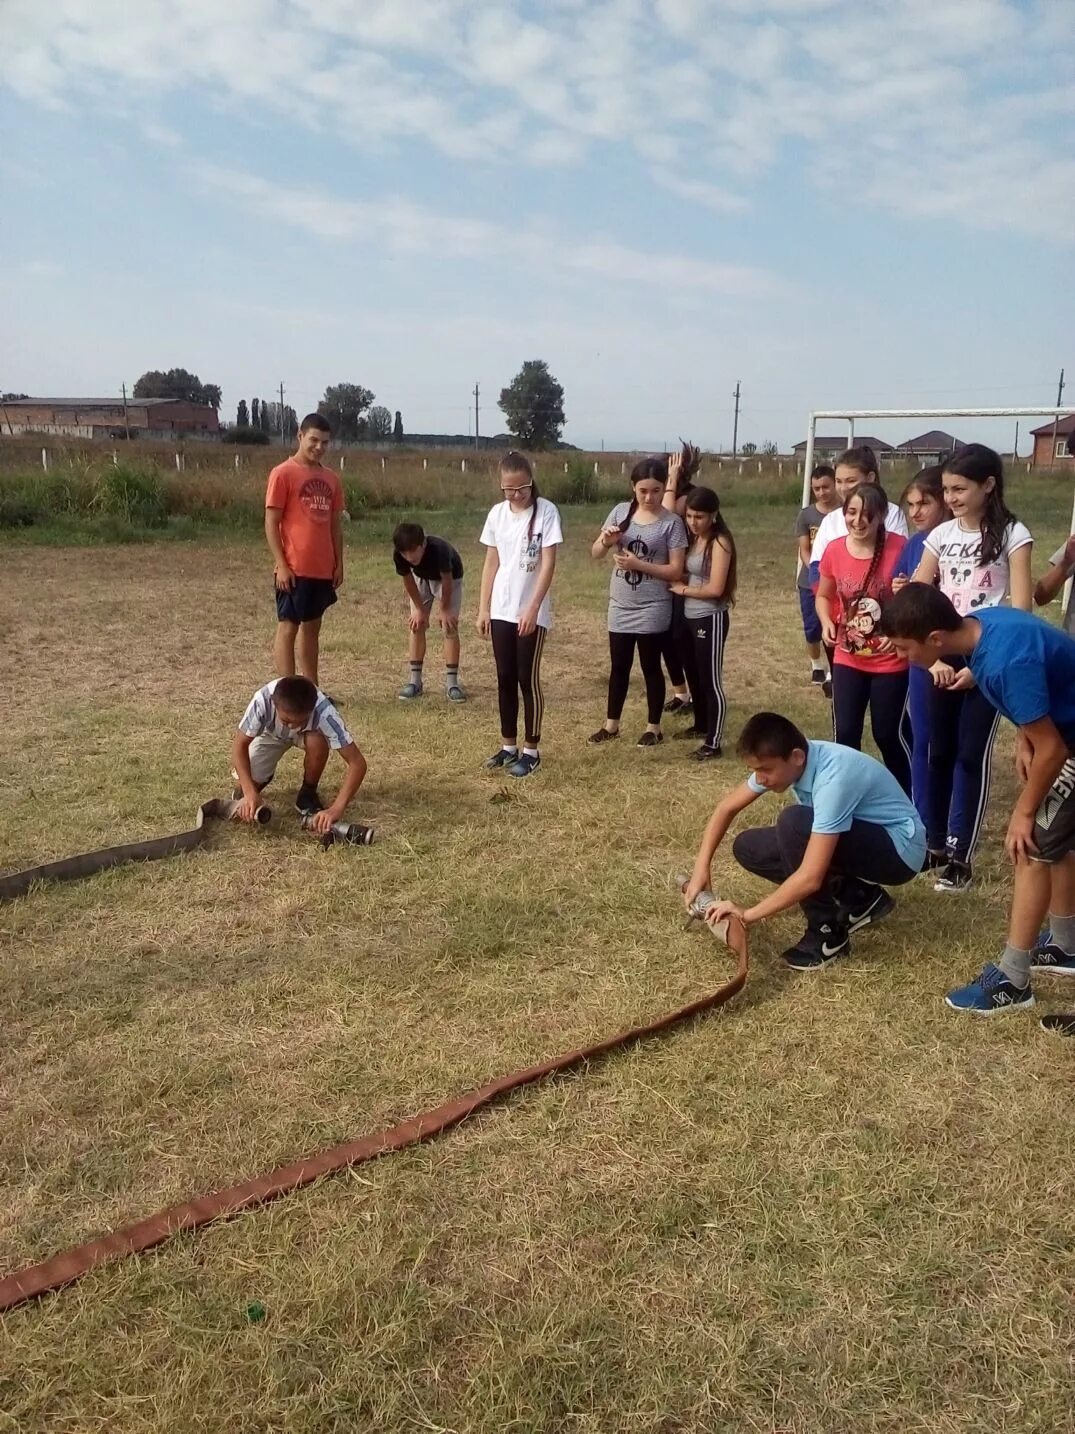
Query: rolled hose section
[63, 1269]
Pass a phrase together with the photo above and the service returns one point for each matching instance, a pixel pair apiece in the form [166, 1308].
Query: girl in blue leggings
[924, 499]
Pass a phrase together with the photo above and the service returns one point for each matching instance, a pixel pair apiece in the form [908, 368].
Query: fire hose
[69, 1265]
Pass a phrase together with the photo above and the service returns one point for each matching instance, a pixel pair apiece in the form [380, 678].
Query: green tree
[748, 450]
[266, 418]
[242, 415]
[379, 422]
[255, 413]
[397, 429]
[176, 383]
[345, 405]
[769, 449]
[533, 405]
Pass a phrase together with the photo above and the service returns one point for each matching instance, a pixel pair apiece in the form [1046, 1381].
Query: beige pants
[265, 753]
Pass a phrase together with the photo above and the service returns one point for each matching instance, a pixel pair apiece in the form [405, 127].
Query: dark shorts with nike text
[307, 600]
[1054, 825]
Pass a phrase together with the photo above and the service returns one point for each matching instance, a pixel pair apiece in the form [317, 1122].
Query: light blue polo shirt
[842, 786]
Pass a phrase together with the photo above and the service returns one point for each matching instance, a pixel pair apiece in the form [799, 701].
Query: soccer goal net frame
[851, 415]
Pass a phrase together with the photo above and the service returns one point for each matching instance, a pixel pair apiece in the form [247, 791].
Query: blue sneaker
[989, 994]
[524, 765]
[503, 758]
[1048, 956]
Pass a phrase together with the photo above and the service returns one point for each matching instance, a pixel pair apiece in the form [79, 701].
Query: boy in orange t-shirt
[303, 504]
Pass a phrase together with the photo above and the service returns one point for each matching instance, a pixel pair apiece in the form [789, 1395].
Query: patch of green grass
[832, 1207]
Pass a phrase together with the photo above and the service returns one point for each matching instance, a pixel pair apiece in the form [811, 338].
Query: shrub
[135, 495]
[253, 437]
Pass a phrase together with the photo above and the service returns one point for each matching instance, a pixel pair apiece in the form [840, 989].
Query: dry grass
[835, 1207]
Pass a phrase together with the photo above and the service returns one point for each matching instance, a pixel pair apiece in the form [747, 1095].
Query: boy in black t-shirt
[431, 569]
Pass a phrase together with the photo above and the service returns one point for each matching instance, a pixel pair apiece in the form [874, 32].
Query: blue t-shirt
[843, 786]
[911, 556]
[1026, 668]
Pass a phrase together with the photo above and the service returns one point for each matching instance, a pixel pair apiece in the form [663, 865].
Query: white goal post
[849, 415]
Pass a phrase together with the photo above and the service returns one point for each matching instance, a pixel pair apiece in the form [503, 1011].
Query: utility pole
[1015, 445]
[126, 418]
[477, 393]
[735, 428]
[1059, 400]
[281, 413]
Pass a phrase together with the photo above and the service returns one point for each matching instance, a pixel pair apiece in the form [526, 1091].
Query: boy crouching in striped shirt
[292, 712]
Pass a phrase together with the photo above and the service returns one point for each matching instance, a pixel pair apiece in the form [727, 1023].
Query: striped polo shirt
[261, 716]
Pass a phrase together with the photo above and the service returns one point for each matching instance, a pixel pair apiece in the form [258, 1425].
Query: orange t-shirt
[307, 498]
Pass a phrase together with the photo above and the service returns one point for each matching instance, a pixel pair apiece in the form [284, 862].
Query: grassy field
[833, 1207]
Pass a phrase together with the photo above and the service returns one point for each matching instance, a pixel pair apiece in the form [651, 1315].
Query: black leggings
[677, 649]
[709, 634]
[621, 646]
[518, 669]
[885, 693]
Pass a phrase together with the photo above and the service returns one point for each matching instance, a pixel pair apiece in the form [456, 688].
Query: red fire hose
[70, 1265]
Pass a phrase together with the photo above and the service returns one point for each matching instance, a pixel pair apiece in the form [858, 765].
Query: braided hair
[515, 462]
[874, 507]
[656, 467]
[979, 464]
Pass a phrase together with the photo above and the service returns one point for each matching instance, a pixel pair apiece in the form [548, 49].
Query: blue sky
[836, 201]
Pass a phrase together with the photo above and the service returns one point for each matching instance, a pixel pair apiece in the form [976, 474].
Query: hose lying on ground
[89, 862]
[70, 1265]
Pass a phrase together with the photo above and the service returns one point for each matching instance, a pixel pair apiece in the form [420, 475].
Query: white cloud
[715, 92]
[697, 191]
[400, 226]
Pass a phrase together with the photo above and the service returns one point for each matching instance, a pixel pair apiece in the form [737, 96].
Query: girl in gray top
[650, 544]
[707, 594]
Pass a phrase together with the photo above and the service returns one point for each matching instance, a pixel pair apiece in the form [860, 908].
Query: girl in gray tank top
[649, 544]
[707, 593]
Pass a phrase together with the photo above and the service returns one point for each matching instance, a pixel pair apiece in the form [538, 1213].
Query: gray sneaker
[410, 692]
[456, 694]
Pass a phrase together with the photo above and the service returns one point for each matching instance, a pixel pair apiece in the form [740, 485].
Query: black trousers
[518, 669]
[865, 857]
[885, 694]
[678, 652]
[621, 646]
[709, 634]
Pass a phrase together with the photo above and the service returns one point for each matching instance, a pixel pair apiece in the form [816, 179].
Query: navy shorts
[307, 600]
[811, 621]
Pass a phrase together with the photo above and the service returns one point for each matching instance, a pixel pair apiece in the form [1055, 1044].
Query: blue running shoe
[1050, 957]
[503, 758]
[524, 765]
[989, 994]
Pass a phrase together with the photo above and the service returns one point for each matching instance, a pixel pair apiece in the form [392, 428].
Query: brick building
[107, 418]
[1049, 452]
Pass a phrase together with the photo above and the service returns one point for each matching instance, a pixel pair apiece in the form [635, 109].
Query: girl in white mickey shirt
[979, 558]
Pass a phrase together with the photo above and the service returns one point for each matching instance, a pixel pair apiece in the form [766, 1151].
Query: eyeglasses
[514, 492]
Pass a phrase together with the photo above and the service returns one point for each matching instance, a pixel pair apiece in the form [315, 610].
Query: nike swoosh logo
[827, 950]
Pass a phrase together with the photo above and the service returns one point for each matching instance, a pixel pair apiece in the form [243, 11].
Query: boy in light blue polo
[1026, 669]
[851, 832]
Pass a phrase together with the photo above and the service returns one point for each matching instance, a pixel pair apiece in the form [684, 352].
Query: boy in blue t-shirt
[1026, 669]
[850, 829]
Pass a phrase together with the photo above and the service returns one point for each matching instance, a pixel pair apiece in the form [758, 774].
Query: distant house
[106, 417]
[1048, 451]
[826, 448]
[929, 448]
